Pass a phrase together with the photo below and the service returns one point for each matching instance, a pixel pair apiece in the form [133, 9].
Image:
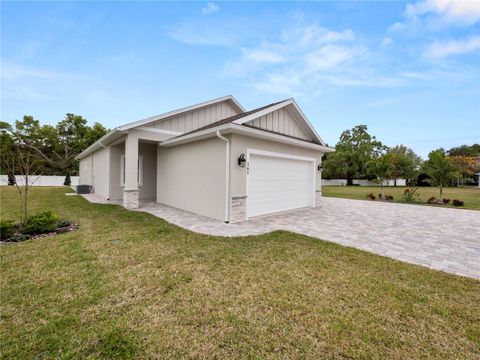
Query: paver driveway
[439, 238]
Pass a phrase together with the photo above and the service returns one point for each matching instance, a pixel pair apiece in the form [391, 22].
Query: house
[215, 159]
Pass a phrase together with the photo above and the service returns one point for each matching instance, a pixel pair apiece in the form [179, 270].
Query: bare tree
[17, 157]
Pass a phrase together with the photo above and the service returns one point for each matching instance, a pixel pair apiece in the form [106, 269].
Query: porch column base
[131, 199]
[239, 209]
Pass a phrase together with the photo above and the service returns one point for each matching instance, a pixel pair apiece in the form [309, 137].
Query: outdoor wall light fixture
[241, 160]
[320, 167]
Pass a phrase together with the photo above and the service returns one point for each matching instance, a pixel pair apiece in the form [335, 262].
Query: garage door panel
[278, 184]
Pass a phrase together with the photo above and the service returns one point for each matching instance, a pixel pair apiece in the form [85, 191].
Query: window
[139, 170]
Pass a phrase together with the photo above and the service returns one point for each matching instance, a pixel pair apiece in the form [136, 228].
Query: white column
[130, 190]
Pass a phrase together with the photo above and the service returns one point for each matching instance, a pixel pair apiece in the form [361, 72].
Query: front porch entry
[133, 171]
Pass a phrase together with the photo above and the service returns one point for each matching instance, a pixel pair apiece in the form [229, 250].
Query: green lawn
[471, 195]
[127, 284]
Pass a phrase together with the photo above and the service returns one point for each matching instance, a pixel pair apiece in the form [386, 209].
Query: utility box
[84, 189]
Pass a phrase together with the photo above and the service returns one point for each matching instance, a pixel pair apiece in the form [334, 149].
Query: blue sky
[409, 70]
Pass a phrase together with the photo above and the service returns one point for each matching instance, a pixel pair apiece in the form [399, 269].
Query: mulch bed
[60, 230]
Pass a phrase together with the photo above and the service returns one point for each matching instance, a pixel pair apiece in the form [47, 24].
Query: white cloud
[387, 41]
[441, 49]
[435, 14]
[17, 71]
[465, 11]
[262, 56]
[210, 8]
[296, 61]
[316, 35]
[329, 57]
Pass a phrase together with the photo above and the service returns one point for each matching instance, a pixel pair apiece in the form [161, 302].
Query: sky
[410, 71]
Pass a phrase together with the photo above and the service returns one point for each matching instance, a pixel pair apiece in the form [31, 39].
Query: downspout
[227, 176]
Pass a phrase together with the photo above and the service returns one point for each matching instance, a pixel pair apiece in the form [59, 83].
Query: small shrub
[410, 195]
[370, 196]
[457, 202]
[446, 201]
[63, 223]
[67, 181]
[432, 200]
[389, 197]
[18, 237]
[7, 229]
[41, 222]
[11, 180]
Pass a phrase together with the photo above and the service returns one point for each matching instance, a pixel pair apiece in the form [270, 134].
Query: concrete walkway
[438, 238]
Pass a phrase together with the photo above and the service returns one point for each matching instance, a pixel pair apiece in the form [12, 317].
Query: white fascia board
[100, 143]
[258, 114]
[243, 130]
[279, 106]
[157, 130]
[180, 111]
[239, 129]
[307, 122]
[204, 134]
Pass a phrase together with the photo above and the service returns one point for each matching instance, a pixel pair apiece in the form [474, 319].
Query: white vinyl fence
[41, 180]
[343, 182]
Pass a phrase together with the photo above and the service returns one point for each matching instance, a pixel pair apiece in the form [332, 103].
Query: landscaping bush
[11, 180]
[370, 196]
[7, 229]
[446, 201]
[63, 223]
[18, 237]
[68, 180]
[389, 197]
[42, 222]
[432, 200]
[457, 202]
[410, 195]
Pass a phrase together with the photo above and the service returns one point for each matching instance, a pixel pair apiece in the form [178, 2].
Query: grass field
[471, 195]
[127, 284]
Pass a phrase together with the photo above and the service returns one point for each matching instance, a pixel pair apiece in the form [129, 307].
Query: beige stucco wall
[192, 177]
[116, 189]
[86, 170]
[149, 187]
[197, 118]
[101, 172]
[241, 143]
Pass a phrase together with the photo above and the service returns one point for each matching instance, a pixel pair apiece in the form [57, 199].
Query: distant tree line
[28, 149]
[52, 149]
[359, 155]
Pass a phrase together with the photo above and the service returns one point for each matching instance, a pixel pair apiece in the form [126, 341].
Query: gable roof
[238, 122]
[152, 119]
[245, 117]
[121, 130]
[232, 118]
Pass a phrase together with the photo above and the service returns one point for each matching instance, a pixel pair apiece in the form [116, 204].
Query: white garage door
[279, 182]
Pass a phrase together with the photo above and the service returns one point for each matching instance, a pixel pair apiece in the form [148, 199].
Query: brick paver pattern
[438, 238]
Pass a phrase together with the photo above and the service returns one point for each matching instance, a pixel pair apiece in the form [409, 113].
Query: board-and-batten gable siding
[280, 121]
[197, 118]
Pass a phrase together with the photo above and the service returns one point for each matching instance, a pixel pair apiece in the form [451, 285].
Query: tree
[405, 163]
[62, 143]
[440, 168]
[465, 150]
[466, 166]
[382, 168]
[355, 148]
[19, 157]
